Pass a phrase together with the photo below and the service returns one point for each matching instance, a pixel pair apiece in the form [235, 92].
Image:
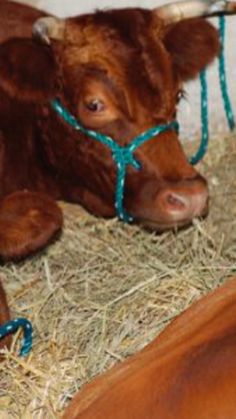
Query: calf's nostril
[176, 201]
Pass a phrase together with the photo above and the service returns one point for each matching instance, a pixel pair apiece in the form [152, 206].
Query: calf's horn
[47, 28]
[174, 12]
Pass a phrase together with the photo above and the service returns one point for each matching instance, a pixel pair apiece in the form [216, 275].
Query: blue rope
[222, 76]
[204, 121]
[12, 326]
[123, 156]
[204, 98]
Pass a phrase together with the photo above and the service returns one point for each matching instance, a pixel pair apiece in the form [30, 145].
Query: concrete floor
[189, 112]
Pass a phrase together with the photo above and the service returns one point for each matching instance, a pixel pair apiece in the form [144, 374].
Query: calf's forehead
[136, 62]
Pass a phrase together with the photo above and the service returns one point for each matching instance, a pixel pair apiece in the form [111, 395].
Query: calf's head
[120, 73]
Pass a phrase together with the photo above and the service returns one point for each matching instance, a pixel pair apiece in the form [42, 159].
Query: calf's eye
[95, 105]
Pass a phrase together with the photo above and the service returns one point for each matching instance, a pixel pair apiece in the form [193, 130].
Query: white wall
[189, 112]
[64, 8]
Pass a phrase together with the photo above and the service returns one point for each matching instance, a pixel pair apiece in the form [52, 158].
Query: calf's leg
[28, 222]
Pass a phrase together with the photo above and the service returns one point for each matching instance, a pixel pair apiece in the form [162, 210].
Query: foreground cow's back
[188, 372]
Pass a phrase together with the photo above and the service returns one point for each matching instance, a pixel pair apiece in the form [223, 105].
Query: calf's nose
[184, 201]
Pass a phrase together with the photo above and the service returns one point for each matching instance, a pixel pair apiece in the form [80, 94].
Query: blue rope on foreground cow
[12, 326]
[123, 156]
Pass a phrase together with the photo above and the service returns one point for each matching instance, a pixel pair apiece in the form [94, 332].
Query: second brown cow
[188, 372]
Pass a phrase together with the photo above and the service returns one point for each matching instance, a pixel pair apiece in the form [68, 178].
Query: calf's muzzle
[184, 202]
[173, 205]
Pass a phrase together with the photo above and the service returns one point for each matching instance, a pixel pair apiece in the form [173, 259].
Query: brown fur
[188, 372]
[25, 84]
[135, 64]
[4, 317]
[16, 20]
[190, 49]
[27, 221]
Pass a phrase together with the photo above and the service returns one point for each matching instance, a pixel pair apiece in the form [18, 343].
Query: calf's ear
[27, 70]
[193, 44]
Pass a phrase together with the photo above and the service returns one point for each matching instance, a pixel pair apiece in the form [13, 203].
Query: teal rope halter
[123, 156]
[12, 326]
[222, 76]
[204, 98]
[204, 121]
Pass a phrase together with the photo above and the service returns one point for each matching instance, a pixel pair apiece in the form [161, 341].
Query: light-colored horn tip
[40, 31]
[185, 9]
[47, 28]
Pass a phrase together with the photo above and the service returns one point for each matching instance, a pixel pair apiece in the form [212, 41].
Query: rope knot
[123, 156]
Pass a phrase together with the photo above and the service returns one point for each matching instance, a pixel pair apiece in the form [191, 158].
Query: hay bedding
[106, 289]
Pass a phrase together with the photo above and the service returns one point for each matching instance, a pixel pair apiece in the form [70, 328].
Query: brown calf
[119, 72]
